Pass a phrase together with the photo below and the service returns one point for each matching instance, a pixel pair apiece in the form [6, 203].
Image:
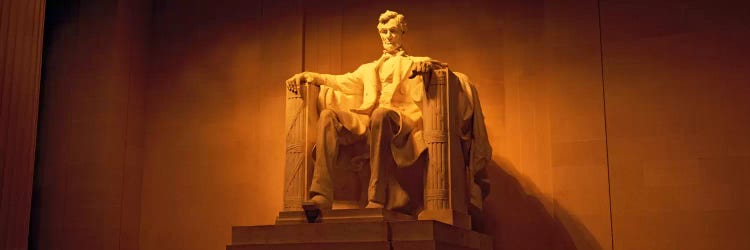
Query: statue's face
[391, 35]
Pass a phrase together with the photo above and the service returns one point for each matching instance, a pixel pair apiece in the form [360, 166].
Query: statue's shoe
[321, 202]
[374, 205]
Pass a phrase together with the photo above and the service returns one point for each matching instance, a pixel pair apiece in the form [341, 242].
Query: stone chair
[444, 182]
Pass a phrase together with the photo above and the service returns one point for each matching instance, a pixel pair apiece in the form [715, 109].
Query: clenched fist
[424, 65]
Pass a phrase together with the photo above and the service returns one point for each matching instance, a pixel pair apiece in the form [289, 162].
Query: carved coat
[361, 94]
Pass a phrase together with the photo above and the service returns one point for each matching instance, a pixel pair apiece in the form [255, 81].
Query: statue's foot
[373, 204]
[322, 202]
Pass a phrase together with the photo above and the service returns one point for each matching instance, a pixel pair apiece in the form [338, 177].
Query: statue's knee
[327, 117]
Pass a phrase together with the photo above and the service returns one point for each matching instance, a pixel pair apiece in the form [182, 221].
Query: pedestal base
[447, 216]
[345, 215]
[394, 235]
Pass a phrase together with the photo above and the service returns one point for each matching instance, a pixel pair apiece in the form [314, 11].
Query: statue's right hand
[293, 83]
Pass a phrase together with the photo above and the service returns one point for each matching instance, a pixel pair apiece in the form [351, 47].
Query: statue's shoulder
[369, 65]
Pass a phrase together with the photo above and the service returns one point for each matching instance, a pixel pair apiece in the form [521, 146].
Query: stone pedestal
[345, 215]
[383, 235]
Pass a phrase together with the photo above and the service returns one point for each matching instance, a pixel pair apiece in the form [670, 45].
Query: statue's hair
[388, 15]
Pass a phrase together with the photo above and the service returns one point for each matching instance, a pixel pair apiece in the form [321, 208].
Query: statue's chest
[386, 71]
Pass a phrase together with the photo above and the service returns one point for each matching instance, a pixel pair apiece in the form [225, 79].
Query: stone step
[345, 215]
[399, 235]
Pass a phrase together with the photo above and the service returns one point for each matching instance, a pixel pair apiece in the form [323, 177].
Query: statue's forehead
[390, 24]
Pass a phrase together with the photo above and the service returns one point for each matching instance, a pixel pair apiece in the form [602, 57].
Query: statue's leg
[384, 125]
[326, 152]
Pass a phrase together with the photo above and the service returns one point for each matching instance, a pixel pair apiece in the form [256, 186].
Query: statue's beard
[391, 47]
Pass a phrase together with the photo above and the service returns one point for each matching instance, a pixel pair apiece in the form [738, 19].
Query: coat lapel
[401, 70]
[371, 89]
[372, 81]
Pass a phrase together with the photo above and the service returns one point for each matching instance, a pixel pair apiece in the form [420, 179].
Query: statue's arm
[349, 83]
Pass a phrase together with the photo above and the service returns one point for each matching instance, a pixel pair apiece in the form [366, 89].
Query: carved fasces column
[301, 117]
[445, 197]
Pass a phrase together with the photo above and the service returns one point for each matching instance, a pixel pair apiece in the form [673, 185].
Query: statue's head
[392, 27]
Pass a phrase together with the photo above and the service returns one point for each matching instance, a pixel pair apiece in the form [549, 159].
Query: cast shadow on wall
[516, 218]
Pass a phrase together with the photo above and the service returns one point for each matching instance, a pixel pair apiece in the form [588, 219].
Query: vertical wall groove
[90, 144]
[20, 55]
[604, 111]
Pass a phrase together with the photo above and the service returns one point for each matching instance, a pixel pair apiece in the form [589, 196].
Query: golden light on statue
[405, 133]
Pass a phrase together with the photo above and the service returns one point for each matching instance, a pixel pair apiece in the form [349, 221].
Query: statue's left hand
[425, 65]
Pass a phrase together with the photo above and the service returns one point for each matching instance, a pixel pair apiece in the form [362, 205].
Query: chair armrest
[445, 194]
[301, 119]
